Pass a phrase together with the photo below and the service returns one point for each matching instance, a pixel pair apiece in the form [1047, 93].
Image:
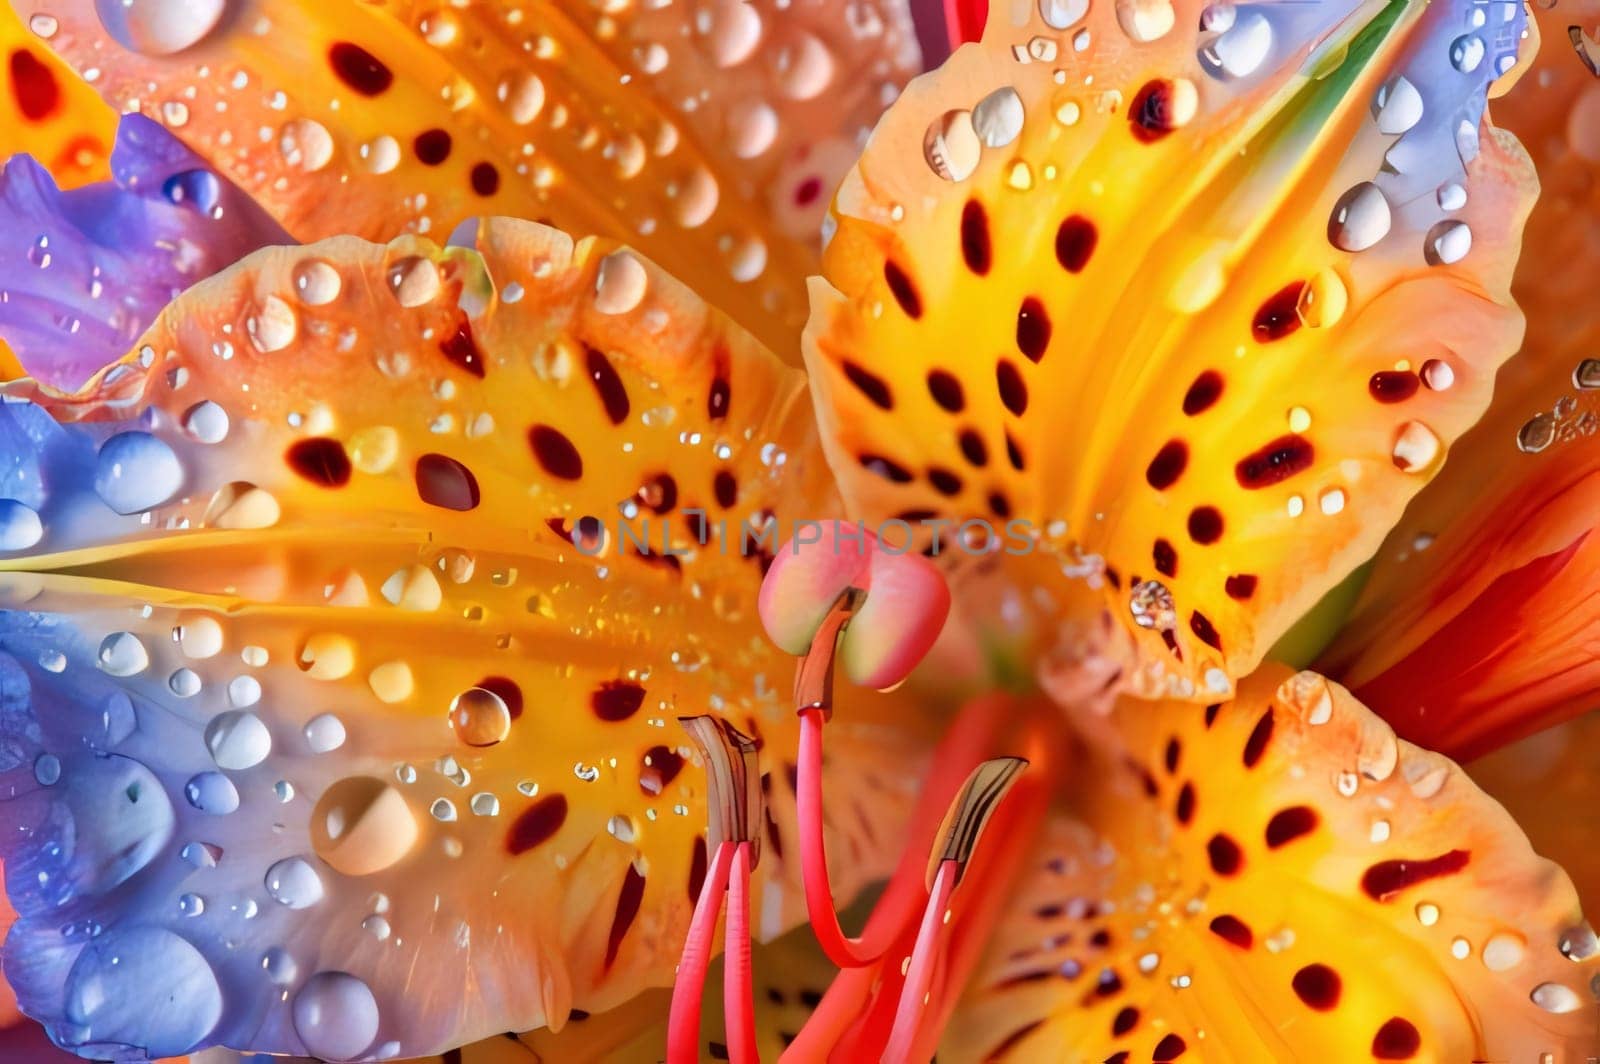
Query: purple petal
[89, 269]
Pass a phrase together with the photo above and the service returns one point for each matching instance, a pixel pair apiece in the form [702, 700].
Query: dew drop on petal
[335, 1015]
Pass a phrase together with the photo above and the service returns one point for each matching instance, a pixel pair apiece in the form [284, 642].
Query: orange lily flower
[349, 612]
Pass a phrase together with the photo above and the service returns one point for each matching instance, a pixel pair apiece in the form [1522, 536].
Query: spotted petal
[1279, 878]
[708, 135]
[1176, 284]
[48, 112]
[1480, 622]
[337, 680]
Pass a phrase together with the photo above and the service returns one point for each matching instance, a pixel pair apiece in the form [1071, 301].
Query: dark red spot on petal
[1185, 807]
[607, 384]
[717, 399]
[537, 823]
[507, 691]
[659, 492]
[1153, 113]
[973, 449]
[1171, 755]
[33, 85]
[628, 899]
[1318, 986]
[1260, 735]
[1075, 241]
[1275, 462]
[1168, 1049]
[1393, 386]
[1240, 586]
[1397, 1039]
[868, 384]
[616, 700]
[999, 505]
[1033, 329]
[1278, 316]
[886, 468]
[944, 481]
[1386, 879]
[444, 482]
[1165, 558]
[905, 293]
[1203, 393]
[321, 460]
[1124, 1021]
[725, 487]
[1232, 930]
[1010, 1041]
[432, 147]
[975, 247]
[485, 179]
[556, 454]
[807, 192]
[359, 68]
[1013, 392]
[1204, 630]
[460, 348]
[1205, 524]
[1289, 824]
[946, 391]
[1224, 854]
[1013, 452]
[658, 767]
[1168, 465]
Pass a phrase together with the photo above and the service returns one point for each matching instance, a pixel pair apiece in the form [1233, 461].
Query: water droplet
[951, 146]
[479, 717]
[377, 927]
[1427, 913]
[1060, 14]
[414, 281]
[293, 882]
[122, 654]
[47, 770]
[362, 825]
[380, 154]
[279, 966]
[274, 326]
[1437, 375]
[328, 655]
[159, 27]
[523, 96]
[1152, 607]
[135, 471]
[1466, 53]
[335, 1015]
[20, 527]
[212, 792]
[185, 683]
[620, 283]
[306, 143]
[1360, 218]
[206, 421]
[191, 905]
[998, 117]
[1460, 948]
[1537, 433]
[1447, 242]
[1145, 20]
[122, 986]
[43, 26]
[324, 732]
[485, 804]
[1396, 106]
[1240, 51]
[1503, 951]
[238, 740]
[1556, 997]
[317, 282]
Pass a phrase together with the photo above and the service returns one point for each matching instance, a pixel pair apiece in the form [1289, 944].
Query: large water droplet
[20, 527]
[274, 326]
[293, 882]
[136, 471]
[1059, 14]
[123, 986]
[121, 819]
[238, 740]
[1242, 49]
[212, 792]
[122, 654]
[1556, 997]
[362, 825]
[159, 27]
[479, 717]
[1360, 218]
[1397, 106]
[206, 421]
[335, 1015]
[306, 143]
[324, 732]
[317, 282]
[620, 283]
[951, 146]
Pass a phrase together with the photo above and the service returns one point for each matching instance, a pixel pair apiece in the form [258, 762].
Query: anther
[970, 812]
[813, 677]
[733, 783]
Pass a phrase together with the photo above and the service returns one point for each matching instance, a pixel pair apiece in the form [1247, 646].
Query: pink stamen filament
[683, 1021]
[909, 1013]
[738, 983]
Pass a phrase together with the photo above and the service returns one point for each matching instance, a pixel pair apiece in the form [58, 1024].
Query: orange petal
[47, 111]
[709, 136]
[1480, 622]
[1280, 878]
[360, 544]
[1100, 279]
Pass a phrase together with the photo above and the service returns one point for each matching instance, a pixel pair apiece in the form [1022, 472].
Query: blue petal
[87, 270]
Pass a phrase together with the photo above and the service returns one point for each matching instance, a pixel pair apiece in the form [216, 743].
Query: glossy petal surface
[329, 685]
[1278, 877]
[1164, 287]
[710, 136]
